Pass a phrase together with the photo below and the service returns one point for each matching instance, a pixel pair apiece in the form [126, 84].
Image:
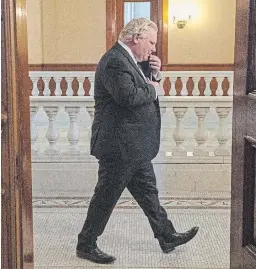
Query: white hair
[136, 27]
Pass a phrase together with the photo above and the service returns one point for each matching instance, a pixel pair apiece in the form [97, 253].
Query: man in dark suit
[125, 138]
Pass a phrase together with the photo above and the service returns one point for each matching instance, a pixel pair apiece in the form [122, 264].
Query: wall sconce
[181, 23]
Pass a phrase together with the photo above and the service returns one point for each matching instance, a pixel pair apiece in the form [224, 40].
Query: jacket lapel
[127, 55]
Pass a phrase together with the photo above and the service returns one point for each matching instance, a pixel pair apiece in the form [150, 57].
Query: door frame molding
[159, 15]
[17, 225]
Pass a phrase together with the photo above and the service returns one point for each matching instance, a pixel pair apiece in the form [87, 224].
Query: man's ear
[135, 38]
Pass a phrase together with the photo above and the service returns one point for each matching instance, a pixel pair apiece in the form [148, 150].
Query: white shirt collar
[128, 50]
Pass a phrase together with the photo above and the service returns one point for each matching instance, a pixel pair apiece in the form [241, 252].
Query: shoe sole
[90, 258]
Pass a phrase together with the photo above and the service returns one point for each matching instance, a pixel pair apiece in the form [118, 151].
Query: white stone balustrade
[71, 143]
[172, 75]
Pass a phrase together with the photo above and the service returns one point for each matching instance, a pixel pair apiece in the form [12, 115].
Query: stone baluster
[33, 130]
[91, 79]
[35, 91]
[207, 91]
[69, 86]
[172, 90]
[52, 132]
[201, 134]
[179, 133]
[47, 91]
[222, 135]
[219, 91]
[196, 91]
[230, 90]
[73, 133]
[184, 90]
[58, 91]
[80, 91]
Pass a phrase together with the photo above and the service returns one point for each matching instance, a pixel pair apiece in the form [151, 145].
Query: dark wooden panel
[243, 153]
[16, 226]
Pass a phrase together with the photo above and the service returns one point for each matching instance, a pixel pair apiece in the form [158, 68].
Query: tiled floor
[129, 238]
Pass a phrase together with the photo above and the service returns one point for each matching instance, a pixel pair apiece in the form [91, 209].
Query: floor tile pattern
[129, 238]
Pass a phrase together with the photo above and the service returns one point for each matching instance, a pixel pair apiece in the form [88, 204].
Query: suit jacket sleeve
[119, 81]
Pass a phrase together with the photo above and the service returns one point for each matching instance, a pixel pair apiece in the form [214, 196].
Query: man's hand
[154, 83]
[155, 64]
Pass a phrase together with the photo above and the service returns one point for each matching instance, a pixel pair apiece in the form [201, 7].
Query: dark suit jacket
[127, 117]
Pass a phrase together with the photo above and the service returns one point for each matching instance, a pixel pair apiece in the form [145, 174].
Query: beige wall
[74, 31]
[209, 38]
[71, 32]
[34, 26]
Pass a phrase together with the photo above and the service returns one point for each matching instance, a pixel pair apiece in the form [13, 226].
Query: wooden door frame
[159, 15]
[242, 248]
[16, 182]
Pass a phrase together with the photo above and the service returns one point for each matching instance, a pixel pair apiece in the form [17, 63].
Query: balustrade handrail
[179, 83]
[165, 101]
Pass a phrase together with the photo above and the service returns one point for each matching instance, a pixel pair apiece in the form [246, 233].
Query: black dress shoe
[168, 243]
[95, 255]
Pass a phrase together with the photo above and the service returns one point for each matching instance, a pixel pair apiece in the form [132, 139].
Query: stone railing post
[33, 130]
[69, 86]
[207, 91]
[222, 135]
[35, 91]
[184, 90]
[196, 91]
[173, 89]
[73, 133]
[58, 91]
[52, 132]
[80, 91]
[179, 133]
[219, 91]
[201, 132]
[46, 80]
[91, 79]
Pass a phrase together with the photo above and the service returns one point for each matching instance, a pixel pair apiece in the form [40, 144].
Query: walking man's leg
[143, 189]
[112, 179]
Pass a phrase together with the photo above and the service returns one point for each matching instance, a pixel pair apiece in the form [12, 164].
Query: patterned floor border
[130, 203]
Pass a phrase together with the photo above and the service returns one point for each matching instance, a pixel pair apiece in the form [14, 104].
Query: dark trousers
[113, 178]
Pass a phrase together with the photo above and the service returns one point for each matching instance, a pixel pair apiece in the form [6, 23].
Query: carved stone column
[196, 91]
[47, 91]
[222, 135]
[73, 133]
[91, 79]
[52, 132]
[58, 91]
[33, 130]
[80, 91]
[178, 133]
[69, 86]
[219, 91]
[35, 91]
[201, 132]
